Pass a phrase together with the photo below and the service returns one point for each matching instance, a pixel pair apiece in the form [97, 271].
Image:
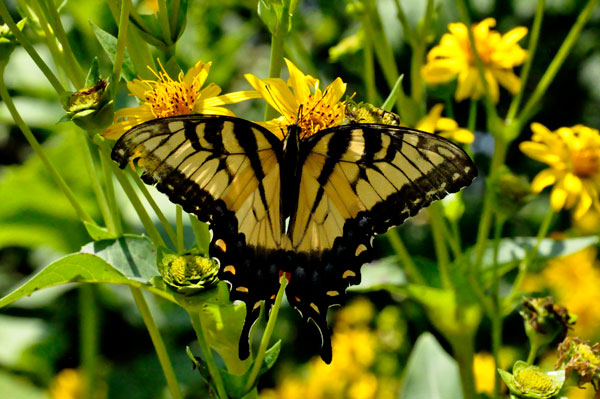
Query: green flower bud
[90, 108]
[579, 357]
[530, 382]
[368, 113]
[511, 192]
[8, 42]
[544, 321]
[188, 273]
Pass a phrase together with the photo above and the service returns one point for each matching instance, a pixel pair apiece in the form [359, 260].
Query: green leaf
[513, 250]
[177, 30]
[149, 28]
[389, 102]
[98, 233]
[109, 44]
[133, 256]
[17, 387]
[430, 373]
[222, 321]
[379, 275]
[93, 74]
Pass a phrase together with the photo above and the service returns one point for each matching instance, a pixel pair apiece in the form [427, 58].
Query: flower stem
[411, 269]
[533, 41]
[533, 350]
[201, 233]
[208, 357]
[161, 216]
[163, 17]
[30, 50]
[37, 148]
[264, 342]
[88, 333]
[472, 121]
[72, 66]
[159, 345]
[464, 353]
[557, 62]
[496, 316]
[276, 61]
[525, 263]
[121, 42]
[115, 212]
[179, 223]
[369, 72]
[441, 250]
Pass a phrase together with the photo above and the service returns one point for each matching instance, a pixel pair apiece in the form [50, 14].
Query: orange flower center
[317, 115]
[585, 162]
[168, 97]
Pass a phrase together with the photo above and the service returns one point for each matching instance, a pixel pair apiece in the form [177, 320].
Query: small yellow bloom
[300, 101]
[167, 97]
[485, 371]
[433, 122]
[68, 384]
[453, 58]
[573, 154]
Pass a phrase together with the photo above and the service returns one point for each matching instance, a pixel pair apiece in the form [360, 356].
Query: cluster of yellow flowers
[350, 374]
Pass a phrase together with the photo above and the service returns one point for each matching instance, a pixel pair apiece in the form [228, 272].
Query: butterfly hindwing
[225, 171]
[357, 181]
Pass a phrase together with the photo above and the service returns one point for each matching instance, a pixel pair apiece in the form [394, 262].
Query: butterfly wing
[225, 171]
[357, 181]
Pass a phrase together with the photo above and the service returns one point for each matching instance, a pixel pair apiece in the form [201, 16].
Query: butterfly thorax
[290, 173]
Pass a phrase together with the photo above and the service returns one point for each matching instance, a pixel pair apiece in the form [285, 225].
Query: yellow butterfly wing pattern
[312, 214]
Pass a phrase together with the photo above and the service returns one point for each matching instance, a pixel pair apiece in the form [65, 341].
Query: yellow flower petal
[558, 198]
[545, 178]
[297, 82]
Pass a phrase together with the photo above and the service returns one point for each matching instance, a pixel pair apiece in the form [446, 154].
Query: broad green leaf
[222, 322]
[109, 44]
[430, 373]
[18, 387]
[515, 249]
[379, 275]
[133, 256]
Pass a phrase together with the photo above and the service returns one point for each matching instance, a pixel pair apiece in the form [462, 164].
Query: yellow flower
[499, 54]
[433, 122]
[301, 101]
[573, 154]
[485, 371]
[167, 97]
[574, 282]
[68, 384]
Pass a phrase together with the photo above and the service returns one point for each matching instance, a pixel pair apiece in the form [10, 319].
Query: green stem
[30, 50]
[418, 55]
[369, 72]
[157, 341]
[496, 316]
[464, 353]
[37, 148]
[163, 17]
[533, 350]
[409, 33]
[208, 357]
[533, 41]
[115, 212]
[96, 186]
[180, 245]
[88, 333]
[264, 342]
[121, 42]
[526, 263]
[276, 61]
[557, 62]
[149, 226]
[485, 222]
[49, 36]
[472, 122]
[72, 66]
[441, 250]
[161, 216]
[201, 232]
[174, 9]
[489, 102]
[411, 269]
